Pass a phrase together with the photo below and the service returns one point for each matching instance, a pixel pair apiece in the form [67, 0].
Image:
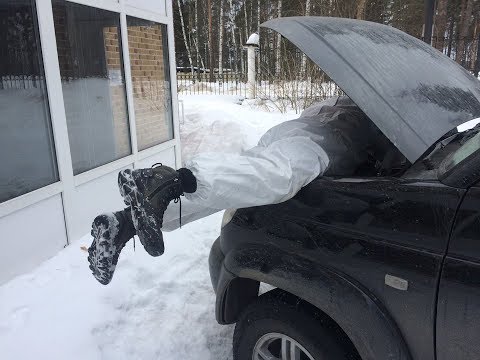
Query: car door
[389, 235]
[458, 315]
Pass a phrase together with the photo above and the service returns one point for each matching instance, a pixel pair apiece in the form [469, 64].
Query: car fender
[358, 312]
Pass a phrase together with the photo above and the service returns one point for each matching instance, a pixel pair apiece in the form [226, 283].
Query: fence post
[251, 46]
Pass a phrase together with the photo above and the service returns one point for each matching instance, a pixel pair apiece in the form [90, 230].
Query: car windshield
[467, 149]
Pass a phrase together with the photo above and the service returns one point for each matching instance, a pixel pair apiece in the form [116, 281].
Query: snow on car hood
[412, 92]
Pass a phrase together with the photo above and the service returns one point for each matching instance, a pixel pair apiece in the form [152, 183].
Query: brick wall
[150, 88]
[63, 46]
[149, 85]
[117, 90]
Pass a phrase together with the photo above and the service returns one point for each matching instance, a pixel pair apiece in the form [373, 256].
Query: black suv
[381, 265]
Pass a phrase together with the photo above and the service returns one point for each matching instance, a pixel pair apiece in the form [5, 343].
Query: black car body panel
[333, 245]
[413, 93]
[321, 287]
[458, 321]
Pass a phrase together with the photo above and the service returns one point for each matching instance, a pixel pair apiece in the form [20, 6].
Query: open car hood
[411, 91]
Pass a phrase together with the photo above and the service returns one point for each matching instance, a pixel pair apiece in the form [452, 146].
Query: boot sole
[143, 215]
[103, 251]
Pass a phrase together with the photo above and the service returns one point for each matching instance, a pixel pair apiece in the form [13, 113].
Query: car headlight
[228, 216]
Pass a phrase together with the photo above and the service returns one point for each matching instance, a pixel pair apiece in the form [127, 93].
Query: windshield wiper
[427, 160]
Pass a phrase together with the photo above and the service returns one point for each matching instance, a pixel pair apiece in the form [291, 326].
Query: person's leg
[148, 192]
[262, 175]
[110, 232]
[216, 181]
[210, 183]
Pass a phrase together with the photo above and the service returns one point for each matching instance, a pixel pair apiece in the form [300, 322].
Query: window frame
[67, 181]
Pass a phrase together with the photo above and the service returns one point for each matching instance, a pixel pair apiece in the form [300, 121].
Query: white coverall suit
[329, 138]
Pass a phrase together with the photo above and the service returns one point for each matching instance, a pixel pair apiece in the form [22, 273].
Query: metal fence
[202, 83]
[296, 84]
[21, 82]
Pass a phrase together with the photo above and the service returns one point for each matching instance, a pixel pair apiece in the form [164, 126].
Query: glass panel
[147, 43]
[156, 6]
[27, 153]
[91, 67]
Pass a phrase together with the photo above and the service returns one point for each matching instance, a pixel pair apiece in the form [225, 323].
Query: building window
[93, 83]
[27, 152]
[147, 43]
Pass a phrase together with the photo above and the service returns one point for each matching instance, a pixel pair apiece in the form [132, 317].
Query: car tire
[279, 313]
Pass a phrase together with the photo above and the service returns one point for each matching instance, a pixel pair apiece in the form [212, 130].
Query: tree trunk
[477, 62]
[251, 14]
[210, 41]
[474, 59]
[258, 16]
[440, 25]
[303, 66]
[429, 14]
[242, 63]
[279, 43]
[196, 40]
[464, 25]
[361, 9]
[187, 47]
[234, 38]
[450, 37]
[220, 42]
[247, 33]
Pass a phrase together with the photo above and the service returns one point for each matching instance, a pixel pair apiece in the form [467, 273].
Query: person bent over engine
[333, 137]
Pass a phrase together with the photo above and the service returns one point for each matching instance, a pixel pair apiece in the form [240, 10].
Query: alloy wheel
[276, 346]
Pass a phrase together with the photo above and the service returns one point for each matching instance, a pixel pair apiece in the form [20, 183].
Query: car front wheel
[277, 327]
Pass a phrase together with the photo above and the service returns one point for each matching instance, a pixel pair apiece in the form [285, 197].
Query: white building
[87, 88]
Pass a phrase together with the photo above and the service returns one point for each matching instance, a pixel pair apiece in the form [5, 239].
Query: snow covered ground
[219, 123]
[155, 308]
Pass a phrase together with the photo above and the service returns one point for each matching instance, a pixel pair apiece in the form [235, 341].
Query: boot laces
[176, 200]
[179, 200]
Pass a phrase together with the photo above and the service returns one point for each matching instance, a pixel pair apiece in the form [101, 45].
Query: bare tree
[242, 63]
[246, 19]
[251, 15]
[234, 38]
[210, 41]
[440, 24]
[214, 31]
[279, 42]
[258, 16]
[220, 41]
[303, 66]
[475, 49]
[451, 29]
[187, 45]
[464, 26]
[361, 9]
[196, 38]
